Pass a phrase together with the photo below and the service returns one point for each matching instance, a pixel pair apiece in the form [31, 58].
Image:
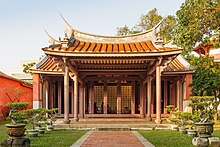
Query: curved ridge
[74, 31]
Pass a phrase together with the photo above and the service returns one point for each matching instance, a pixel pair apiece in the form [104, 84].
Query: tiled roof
[93, 47]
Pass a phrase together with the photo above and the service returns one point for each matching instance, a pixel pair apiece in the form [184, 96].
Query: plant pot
[174, 127]
[50, 127]
[32, 133]
[41, 130]
[191, 132]
[15, 130]
[182, 130]
[204, 129]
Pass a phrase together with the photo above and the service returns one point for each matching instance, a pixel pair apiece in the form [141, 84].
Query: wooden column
[46, 94]
[51, 94]
[149, 97]
[91, 97]
[72, 97]
[133, 98]
[173, 93]
[81, 101]
[181, 96]
[178, 95]
[153, 97]
[66, 93]
[59, 97]
[119, 98]
[105, 106]
[165, 95]
[158, 95]
[142, 99]
[75, 97]
[41, 94]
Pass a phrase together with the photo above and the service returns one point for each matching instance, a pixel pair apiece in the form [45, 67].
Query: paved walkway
[112, 139]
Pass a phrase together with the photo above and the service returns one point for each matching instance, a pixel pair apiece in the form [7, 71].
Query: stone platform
[117, 124]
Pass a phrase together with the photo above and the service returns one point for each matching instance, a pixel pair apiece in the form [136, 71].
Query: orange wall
[5, 84]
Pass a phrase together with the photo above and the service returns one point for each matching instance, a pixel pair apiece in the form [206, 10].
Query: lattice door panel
[98, 95]
[112, 98]
[126, 98]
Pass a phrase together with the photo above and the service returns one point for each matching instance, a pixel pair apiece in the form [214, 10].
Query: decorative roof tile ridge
[184, 62]
[41, 62]
[151, 33]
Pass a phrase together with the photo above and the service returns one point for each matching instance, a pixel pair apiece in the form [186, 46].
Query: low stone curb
[80, 141]
[143, 140]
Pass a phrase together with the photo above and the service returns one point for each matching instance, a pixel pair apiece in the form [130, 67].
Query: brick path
[111, 139]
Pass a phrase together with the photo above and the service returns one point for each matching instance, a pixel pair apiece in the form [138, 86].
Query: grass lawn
[169, 138]
[55, 138]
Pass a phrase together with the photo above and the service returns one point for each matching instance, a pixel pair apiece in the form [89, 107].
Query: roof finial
[51, 40]
[69, 29]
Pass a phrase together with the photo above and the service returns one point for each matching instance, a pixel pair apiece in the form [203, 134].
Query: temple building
[87, 75]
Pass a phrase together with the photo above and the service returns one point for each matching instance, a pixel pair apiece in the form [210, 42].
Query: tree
[206, 79]
[197, 22]
[27, 67]
[148, 21]
[122, 31]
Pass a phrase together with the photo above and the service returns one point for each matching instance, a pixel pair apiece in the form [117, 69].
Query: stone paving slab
[112, 139]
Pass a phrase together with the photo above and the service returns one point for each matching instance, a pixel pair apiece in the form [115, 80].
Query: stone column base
[75, 119]
[66, 121]
[158, 121]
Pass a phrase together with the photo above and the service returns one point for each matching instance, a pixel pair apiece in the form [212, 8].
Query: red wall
[6, 84]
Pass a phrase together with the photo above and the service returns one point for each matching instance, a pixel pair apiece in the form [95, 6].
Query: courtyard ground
[64, 138]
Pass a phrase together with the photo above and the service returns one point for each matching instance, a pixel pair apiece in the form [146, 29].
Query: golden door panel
[126, 99]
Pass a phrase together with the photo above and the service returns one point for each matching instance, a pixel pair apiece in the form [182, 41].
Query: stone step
[112, 129]
[93, 126]
[111, 119]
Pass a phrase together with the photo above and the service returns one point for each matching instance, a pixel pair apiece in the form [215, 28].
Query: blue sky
[22, 22]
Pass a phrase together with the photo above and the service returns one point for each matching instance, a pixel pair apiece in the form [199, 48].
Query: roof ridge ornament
[51, 40]
[69, 28]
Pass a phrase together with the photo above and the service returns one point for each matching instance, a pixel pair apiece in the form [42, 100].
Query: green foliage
[148, 21]
[198, 21]
[56, 138]
[167, 138]
[171, 108]
[15, 115]
[52, 114]
[122, 31]
[17, 105]
[204, 108]
[27, 67]
[32, 115]
[206, 79]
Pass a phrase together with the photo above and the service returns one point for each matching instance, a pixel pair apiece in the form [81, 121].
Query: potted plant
[173, 119]
[204, 108]
[16, 128]
[51, 114]
[191, 131]
[40, 119]
[184, 118]
[32, 115]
